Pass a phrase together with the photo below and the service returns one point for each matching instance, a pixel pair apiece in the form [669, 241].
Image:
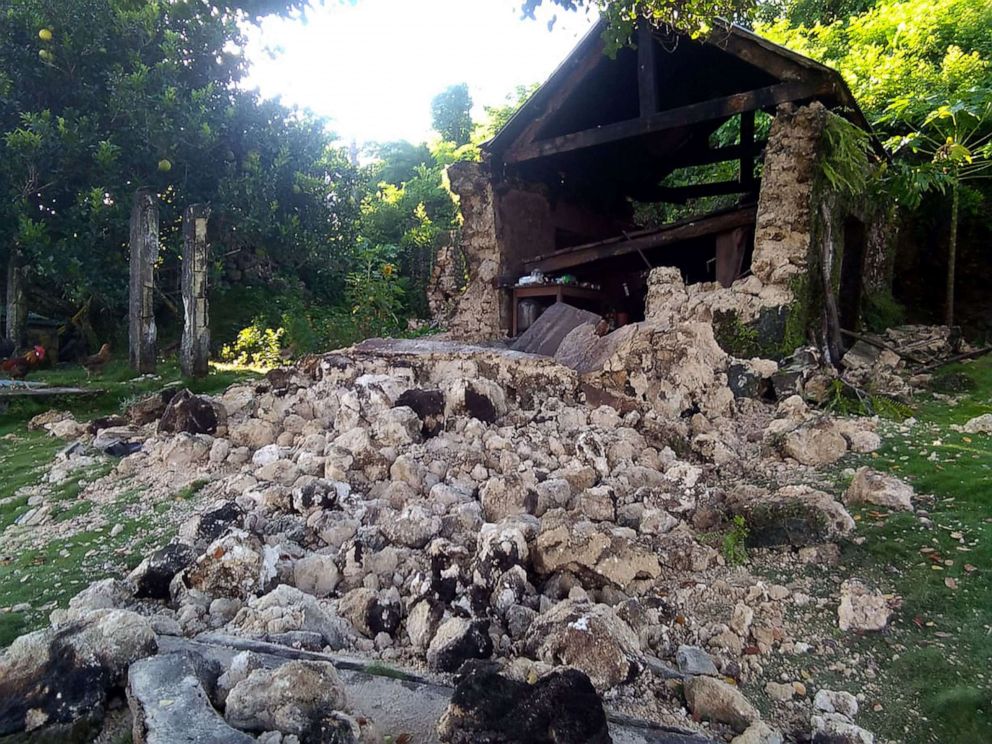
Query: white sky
[373, 66]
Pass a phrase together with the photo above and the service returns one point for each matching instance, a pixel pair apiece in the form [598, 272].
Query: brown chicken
[18, 367]
[94, 364]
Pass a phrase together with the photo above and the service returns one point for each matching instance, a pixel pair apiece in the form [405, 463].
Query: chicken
[18, 367]
[94, 364]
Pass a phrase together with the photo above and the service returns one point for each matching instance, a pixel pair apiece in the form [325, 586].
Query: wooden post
[142, 333]
[194, 351]
[17, 308]
[747, 150]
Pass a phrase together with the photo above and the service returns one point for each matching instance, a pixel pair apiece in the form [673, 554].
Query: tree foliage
[112, 95]
[451, 114]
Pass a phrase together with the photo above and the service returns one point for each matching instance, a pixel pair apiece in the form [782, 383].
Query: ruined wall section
[463, 294]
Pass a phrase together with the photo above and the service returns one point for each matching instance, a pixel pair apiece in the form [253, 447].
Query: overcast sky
[374, 65]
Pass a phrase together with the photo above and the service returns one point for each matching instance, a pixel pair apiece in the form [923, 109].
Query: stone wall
[468, 306]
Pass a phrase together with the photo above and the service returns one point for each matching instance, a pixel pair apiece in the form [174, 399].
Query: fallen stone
[189, 413]
[169, 704]
[600, 554]
[293, 698]
[711, 699]
[692, 660]
[834, 729]
[793, 515]
[589, 637]
[817, 443]
[457, 640]
[836, 701]
[979, 425]
[559, 708]
[231, 567]
[758, 732]
[871, 487]
[59, 675]
[153, 575]
[861, 608]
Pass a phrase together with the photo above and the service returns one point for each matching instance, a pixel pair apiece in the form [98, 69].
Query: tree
[694, 16]
[451, 114]
[111, 95]
[956, 142]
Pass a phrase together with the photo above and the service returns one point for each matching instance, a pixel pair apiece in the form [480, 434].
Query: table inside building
[557, 293]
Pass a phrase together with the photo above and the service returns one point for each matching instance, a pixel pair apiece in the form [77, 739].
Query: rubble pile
[455, 509]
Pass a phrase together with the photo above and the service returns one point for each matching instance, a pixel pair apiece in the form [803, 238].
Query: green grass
[937, 655]
[47, 576]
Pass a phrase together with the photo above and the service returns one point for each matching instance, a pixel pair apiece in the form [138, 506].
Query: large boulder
[293, 698]
[153, 575]
[457, 640]
[586, 636]
[793, 515]
[816, 443]
[286, 609]
[871, 487]
[712, 699]
[559, 708]
[597, 552]
[231, 567]
[191, 414]
[58, 675]
[169, 704]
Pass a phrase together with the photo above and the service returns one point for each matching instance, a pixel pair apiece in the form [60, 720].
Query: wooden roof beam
[667, 235]
[716, 108]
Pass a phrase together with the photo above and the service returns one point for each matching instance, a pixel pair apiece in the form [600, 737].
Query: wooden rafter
[682, 194]
[643, 240]
[647, 83]
[717, 108]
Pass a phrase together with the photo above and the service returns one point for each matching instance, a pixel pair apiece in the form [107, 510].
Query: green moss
[734, 337]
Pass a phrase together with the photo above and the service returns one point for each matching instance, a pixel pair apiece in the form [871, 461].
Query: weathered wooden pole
[194, 351]
[17, 308]
[142, 333]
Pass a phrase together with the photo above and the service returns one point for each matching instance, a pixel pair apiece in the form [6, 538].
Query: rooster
[18, 367]
[94, 364]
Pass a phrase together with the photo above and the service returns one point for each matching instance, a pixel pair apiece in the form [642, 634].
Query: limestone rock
[836, 701]
[286, 609]
[231, 567]
[978, 425]
[429, 405]
[714, 700]
[316, 574]
[190, 413]
[861, 608]
[59, 675]
[692, 660]
[793, 515]
[758, 732]
[169, 704]
[871, 487]
[835, 729]
[589, 637]
[599, 553]
[817, 443]
[292, 698]
[457, 640]
[559, 708]
[153, 575]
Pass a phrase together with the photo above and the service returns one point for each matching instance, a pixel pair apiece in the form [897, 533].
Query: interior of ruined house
[588, 179]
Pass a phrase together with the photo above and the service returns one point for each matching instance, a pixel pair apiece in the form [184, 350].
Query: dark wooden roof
[654, 108]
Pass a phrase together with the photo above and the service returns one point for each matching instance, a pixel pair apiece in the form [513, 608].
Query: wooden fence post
[194, 351]
[142, 333]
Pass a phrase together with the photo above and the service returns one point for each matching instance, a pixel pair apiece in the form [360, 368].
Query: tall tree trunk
[142, 333]
[17, 309]
[952, 255]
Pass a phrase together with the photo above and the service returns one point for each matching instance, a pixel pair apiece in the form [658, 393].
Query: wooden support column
[747, 150]
[647, 86]
[17, 307]
[194, 350]
[142, 333]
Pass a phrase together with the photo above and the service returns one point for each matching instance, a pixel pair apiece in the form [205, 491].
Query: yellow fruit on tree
[45, 34]
[45, 54]
[164, 165]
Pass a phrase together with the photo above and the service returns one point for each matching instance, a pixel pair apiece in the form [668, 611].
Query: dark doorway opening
[852, 271]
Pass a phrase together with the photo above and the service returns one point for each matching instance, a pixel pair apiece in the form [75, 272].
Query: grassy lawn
[48, 575]
[935, 659]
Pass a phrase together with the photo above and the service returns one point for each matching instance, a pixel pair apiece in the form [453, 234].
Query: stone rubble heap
[427, 504]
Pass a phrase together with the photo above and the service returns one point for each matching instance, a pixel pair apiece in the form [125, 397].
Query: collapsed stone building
[785, 257]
